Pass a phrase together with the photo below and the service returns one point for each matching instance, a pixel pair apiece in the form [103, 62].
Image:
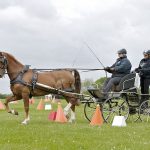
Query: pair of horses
[23, 84]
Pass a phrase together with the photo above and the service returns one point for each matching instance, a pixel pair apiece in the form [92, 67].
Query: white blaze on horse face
[73, 73]
[66, 109]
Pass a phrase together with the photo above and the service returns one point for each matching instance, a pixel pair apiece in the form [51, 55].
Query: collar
[120, 58]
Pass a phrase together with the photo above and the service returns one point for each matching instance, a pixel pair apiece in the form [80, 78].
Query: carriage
[124, 100]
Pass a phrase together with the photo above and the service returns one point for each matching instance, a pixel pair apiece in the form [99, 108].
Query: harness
[19, 78]
[4, 64]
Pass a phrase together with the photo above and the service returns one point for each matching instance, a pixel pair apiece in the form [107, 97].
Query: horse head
[3, 64]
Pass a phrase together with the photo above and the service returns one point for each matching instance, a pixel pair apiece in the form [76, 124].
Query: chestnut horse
[23, 84]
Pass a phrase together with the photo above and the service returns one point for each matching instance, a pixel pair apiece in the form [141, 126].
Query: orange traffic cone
[40, 105]
[52, 116]
[1, 106]
[97, 118]
[60, 116]
[31, 101]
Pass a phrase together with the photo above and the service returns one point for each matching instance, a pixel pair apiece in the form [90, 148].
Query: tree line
[88, 83]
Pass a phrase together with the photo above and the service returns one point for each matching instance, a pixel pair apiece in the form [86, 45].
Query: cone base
[60, 117]
[97, 119]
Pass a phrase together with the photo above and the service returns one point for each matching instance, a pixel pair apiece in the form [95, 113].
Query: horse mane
[11, 57]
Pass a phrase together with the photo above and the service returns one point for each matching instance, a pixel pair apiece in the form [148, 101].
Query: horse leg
[66, 112]
[9, 99]
[67, 108]
[25, 97]
[71, 104]
[73, 117]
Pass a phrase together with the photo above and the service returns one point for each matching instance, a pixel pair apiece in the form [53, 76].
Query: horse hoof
[24, 123]
[67, 116]
[71, 121]
[16, 113]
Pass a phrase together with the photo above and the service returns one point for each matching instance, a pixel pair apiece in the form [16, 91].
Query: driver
[144, 73]
[119, 69]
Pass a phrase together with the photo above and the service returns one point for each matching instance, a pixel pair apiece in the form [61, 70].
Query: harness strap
[34, 78]
[19, 77]
[19, 80]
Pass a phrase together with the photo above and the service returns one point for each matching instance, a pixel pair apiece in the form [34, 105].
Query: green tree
[3, 96]
[85, 84]
[100, 81]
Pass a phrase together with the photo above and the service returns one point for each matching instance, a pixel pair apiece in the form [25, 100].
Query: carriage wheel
[144, 111]
[134, 116]
[115, 107]
[89, 109]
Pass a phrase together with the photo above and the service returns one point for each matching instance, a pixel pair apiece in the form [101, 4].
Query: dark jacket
[122, 67]
[144, 68]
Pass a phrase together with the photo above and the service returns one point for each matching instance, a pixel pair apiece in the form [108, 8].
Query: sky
[52, 33]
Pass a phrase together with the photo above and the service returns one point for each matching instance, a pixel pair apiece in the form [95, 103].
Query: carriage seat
[126, 83]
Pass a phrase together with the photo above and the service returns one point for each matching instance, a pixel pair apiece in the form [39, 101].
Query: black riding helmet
[122, 51]
[147, 52]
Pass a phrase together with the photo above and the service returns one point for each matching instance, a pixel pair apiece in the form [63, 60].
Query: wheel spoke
[89, 109]
[144, 111]
[113, 107]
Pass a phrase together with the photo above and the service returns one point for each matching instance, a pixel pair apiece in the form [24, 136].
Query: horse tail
[77, 81]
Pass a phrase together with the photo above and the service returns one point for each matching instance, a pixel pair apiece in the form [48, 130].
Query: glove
[133, 71]
[107, 69]
[141, 73]
[137, 70]
[112, 69]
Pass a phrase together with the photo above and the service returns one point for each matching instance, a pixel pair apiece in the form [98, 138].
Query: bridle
[4, 63]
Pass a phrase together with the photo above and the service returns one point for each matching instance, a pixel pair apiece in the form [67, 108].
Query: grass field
[41, 134]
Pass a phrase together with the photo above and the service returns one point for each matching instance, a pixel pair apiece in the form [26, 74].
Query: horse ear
[1, 53]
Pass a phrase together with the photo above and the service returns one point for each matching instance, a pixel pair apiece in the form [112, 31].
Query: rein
[81, 69]
[58, 69]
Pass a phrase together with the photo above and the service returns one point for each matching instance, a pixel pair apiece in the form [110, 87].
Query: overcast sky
[51, 33]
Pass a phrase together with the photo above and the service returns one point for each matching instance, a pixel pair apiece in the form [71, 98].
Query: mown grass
[41, 134]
